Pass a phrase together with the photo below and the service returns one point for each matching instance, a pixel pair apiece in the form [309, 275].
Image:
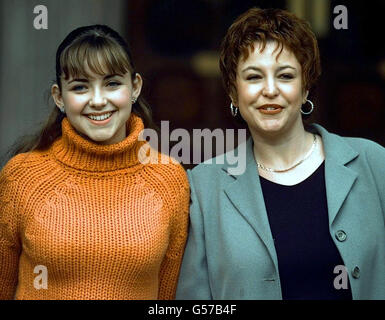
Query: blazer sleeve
[376, 157]
[9, 234]
[194, 278]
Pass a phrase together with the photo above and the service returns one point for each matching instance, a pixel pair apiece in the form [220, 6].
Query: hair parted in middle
[101, 49]
[262, 25]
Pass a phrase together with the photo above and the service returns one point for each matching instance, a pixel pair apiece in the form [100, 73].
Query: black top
[299, 223]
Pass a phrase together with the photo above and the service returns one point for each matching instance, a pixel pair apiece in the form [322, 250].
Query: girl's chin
[102, 139]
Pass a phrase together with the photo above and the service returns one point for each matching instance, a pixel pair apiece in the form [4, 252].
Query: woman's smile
[269, 89]
[270, 109]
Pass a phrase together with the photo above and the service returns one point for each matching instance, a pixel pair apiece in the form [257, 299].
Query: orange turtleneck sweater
[93, 220]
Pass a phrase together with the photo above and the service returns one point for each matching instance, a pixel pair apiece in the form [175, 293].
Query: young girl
[81, 217]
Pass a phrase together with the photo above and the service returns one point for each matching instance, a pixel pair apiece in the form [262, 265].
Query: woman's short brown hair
[269, 25]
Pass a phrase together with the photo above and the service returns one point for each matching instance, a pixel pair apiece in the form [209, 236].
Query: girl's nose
[98, 101]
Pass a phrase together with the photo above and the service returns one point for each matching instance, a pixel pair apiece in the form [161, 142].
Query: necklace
[261, 166]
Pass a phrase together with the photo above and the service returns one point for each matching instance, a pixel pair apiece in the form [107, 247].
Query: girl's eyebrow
[113, 75]
[77, 80]
[86, 80]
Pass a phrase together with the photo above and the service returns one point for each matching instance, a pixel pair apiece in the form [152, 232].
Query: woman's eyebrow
[251, 68]
[285, 67]
[258, 69]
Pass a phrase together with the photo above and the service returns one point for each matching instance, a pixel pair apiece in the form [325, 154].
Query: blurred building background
[175, 47]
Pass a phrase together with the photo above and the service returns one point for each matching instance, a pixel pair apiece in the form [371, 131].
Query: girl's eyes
[83, 87]
[113, 83]
[78, 88]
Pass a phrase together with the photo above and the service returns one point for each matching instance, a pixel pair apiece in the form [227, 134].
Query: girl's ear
[306, 94]
[56, 95]
[137, 84]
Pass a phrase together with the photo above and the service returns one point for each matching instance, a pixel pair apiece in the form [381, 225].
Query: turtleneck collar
[77, 152]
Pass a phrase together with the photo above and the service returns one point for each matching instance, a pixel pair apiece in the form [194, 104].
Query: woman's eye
[286, 76]
[253, 77]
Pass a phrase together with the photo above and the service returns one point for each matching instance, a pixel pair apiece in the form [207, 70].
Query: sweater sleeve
[9, 235]
[169, 271]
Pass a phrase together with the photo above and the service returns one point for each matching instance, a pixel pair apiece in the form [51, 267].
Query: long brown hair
[100, 48]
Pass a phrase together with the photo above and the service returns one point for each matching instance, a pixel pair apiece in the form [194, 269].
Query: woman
[81, 215]
[306, 218]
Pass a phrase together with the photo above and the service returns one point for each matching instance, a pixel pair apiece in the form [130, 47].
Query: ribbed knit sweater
[93, 219]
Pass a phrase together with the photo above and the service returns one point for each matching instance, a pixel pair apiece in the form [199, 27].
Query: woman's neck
[281, 150]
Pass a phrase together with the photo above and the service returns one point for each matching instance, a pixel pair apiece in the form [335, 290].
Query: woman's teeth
[100, 118]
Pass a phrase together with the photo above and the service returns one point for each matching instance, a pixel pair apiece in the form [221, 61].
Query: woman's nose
[270, 88]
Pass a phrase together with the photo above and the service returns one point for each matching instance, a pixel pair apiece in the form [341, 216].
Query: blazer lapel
[246, 195]
[339, 179]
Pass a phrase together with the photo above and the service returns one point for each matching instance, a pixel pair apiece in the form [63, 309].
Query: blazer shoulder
[373, 150]
[208, 179]
[371, 154]
[207, 172]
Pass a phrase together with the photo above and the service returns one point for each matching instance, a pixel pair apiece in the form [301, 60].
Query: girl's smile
[98, 106]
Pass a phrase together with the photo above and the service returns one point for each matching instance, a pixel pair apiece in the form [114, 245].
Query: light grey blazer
[230, 252]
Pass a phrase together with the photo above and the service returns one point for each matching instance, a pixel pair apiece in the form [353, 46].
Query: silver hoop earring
[311, 108]
[234, 110]
[133, 100]
[62, 109]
